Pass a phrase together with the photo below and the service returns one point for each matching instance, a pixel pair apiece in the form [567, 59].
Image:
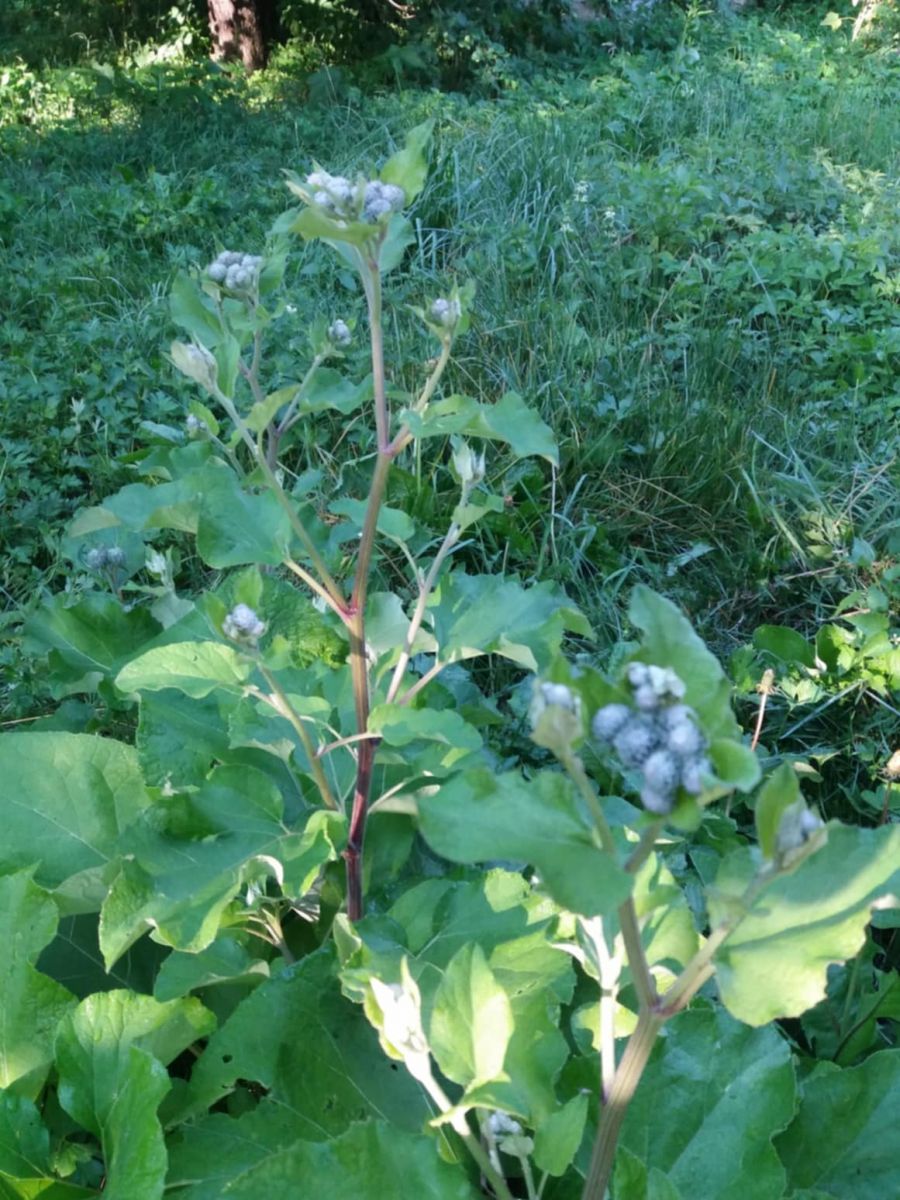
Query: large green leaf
[313, 1050]
[471, 1020]
[370, 1161]
[192, 311]
[110, 1056]
[41, 1189]
[783, 644]
[670, 641]
[179, 736]
[24, 1142]
[31, 1004]
[510, 420]
[775, 962]
[238, 526]
[226, 960]
[408, 167]
[208, 1155]
[91, 637]
[842, 1144]
[195, 668]
[179, 881]
[633, 1181]
[67, 797]
[513, 926]
[484, 614]
[479, 816]
[708, 1105]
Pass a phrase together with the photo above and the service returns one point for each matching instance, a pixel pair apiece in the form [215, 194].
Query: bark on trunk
[241, 29]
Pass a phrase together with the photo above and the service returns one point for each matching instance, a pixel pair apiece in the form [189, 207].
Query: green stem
[314, 586]
[356, 619]
[628, 1074]
[644, 848]
[700, 968]
[404, 437]
[460, 1125]
[416, 619]
[422, 682]
[644, 983]
[336, 598]
[288, 711]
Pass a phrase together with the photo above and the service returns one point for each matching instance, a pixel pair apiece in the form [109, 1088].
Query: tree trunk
[241, 29]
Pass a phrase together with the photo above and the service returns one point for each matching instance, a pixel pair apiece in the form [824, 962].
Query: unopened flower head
[381, 199]
[156, 563]
[446, 312]
[96, 558]
[243, 625]
[115, 556]
[469, 466]
[235, 270]
[658, 737]
[500, 1123]
[197, 363]
[555, 715]
[799, 826]
[339, 333]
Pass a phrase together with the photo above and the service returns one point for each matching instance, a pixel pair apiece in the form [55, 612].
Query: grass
[688, 260]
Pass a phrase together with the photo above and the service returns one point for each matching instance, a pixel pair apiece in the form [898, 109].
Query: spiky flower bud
[339, 333]
[693, 773]
[661, 772]
[636, 741]
[638, 673]
[685, 739]
[645, 698]
[797, 826]
[559, 694]
[97, 558]
[609, 720]
[658, 803]
[379, 199]
[243, 625]
[197, 363]
[446, 312]
[469, 466]
[500, 1123]
[156, 563]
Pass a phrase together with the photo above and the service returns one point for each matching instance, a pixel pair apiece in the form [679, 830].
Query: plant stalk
[356, 623]
[627, 1077]
[283, 705]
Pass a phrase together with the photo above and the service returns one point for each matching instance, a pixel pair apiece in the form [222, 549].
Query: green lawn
[689, 261]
